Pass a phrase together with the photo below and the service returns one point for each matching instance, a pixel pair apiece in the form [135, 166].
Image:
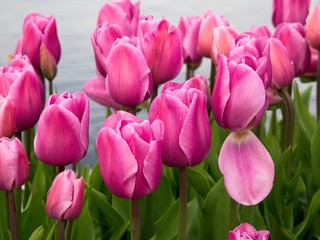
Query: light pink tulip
[14, 164]
[208, 23]
[189, 27]
[187, 133]
[247, 168]
[63, 129]
[65, 196]
[290, 11]
[312, 28]
[129, 79]
[7, 118]
[129, 155]
[261, 31]
[247, 232]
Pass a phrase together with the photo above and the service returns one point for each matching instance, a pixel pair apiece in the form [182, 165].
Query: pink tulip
[312, 67]
[20, 84]
[247, 232]
[189, 27]
[38, 30]
[292, 36]
[232, 108]
[102, 40]
[62, 134]
[247, 168]
[261, 31]
[312, 28]
[208, 23]
[290, 11]
[123, 13]
[187, 133]
[163, 50]
[65, 196]
[14, 164]
[129, 155]
[7, 118]
[96, 89]
[129, 79]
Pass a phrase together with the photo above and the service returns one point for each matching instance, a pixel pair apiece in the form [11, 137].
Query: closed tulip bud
[129, 155]
[312, 28]
[20, 84]
[247, 168]
[208, 23]
[292, 36]
[163, 50]
[247, 232]
[123, 13]
[189, 27]
[290, 11]
[14, 164]
[187, 133]
[65, 196]
[129, 79]
[62, 133]
[48, 63]
[38, 30]
[7, 118]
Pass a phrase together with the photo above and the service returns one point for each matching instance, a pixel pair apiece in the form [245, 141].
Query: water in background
[76, 20]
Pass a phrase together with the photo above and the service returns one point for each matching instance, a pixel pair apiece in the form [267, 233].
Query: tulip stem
[12, 215]
[50, 87]
[61, 229]
[183, 203]
[189, 71]
[135, 219]
[212, 76]
[318, 87]
[154, 93]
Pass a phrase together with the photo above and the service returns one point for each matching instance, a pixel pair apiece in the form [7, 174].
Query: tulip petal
[77, 200]
[247, 168]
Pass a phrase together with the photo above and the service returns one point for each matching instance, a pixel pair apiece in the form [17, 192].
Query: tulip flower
[163, 50]
[312, 67]
[247, 168]
[14, 164]
[189, 27]
[62, 134]
[292, 36]
[20, 84]
[290, 11]
[65, 196]
[208, 23]
[40, 31]
[245, 232]
[129, 79]
[129, 155]
[123, 13]
[312, 30]
[187, 133]
[261, 31]
[7, 118]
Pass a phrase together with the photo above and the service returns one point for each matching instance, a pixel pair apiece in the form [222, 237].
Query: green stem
[69, 229]
[318, 87]
[189, 71]
[12, 215]
[61, 229]
[27, 142]
[18, 135]
[135, 219]
[154, 93]
[50, 87]
[212, 76]
[183, 203]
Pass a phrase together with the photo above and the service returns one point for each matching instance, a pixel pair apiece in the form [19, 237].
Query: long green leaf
[37, 234]
[315, 157]
[200, 180]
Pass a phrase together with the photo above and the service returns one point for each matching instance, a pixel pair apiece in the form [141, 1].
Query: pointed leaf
[315, 156]
[37, 234]
[200, 180]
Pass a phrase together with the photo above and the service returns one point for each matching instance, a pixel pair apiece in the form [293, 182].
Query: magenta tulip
[312, 28]
[62, 134]
[187, 133]
[65, 196]
[20, 84]
[312, 67]
[247, 232]
[247, 168]
[123, 13]
[261, 31]
[14, 164]
[292, 36]
[208, 23]
[290, 11]
[39, 30]
[129, 79]
[129, 155]
[7, 118]
[189, 27]
[163, 50]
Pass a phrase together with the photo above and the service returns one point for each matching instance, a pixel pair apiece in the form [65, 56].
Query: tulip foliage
[234, 155]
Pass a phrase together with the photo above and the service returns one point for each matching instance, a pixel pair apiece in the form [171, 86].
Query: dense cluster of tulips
[232, 156]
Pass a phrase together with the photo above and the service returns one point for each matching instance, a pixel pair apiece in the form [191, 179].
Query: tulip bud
[312, 28]
[48, 64]
[14, 164]
[65, 196]
[7, 118]
[246, 231]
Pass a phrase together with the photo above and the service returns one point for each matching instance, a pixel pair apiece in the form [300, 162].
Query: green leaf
[252, 215]
[37, 234]
[200, 180]
[52, 231]
[308, 79]
[121, 231]
[3, 215]
[315, 156]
